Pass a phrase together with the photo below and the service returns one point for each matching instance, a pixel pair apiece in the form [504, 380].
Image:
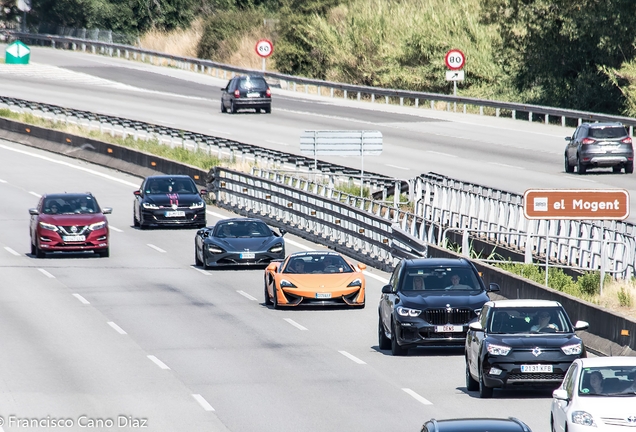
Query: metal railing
[529, 112]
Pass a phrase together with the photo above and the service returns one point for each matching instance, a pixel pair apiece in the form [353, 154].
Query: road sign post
[264, 48]
[576, 204]
[455, 60]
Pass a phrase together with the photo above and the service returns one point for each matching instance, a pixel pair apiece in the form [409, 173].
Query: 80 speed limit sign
[264, 48]
[455, 59]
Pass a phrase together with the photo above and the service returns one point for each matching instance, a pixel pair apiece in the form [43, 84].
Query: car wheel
[617, 169]
[384, 342]
[471, 383]
[104, 253]
[396, 349]
[629, 167]
[268, 301]
[39, 253]
[197, 261]
[568, 168]
[32, 249]
[552, 427]
[580, 166]
[484, 391]
[223, 110]
[232, 108]
[268, 110]
[135, 221]
[275, 298]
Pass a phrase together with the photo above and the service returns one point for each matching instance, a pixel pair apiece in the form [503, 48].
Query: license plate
[536, 368]
[253, 95]
[323, 295]
[248, 255]
[175, 213]
[449, 328]
[74, 238]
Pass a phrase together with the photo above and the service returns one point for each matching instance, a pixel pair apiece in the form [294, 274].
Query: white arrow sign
[455, 75]
[18, 50]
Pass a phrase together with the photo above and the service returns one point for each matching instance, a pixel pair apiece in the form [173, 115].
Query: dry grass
[610, 297]
[181, 42]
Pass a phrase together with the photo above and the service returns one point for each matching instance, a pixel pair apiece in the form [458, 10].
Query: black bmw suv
[521, 342]
[246, 92]
[429, 302]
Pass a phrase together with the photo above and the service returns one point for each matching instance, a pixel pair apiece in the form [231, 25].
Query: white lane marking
[3, 181]
[35, 194]
[115, 229]
[417, 397]
[81, 299]
[586, 180]
[352, 357]
[206, 406]
[295, 324]
[506, 165]
[11, 251]
[277, 142]
[201, 271]
[298, 245]
[88, 170]
[398, 167]
[247, 296]
[220, 131]
[117, 328]
[376, 277]
[158, 249]
[45, 273]
[216, 215]
[441, 154]
[158, 362]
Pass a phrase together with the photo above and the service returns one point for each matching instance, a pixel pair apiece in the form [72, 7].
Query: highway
[145, 335]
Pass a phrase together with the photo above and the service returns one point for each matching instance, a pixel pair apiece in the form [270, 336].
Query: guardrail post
[358, 96]
[331, 92]
[372, 98]
[631, 131]
[527, 259]
[547, 119]
[53, 44]
[563, 121]
[464, 108]
[417, 102]
[319, 90]
[465, 244]
[481, 110]
[432, 105]
[530, 116]
[306, 88]
[580, 122]
[514, 114]
[401, 101]
[386, 100]
[497, 112]
[345, 94]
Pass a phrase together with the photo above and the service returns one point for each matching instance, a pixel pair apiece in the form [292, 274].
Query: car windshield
[169, 185]
[317, 264]
[253, 84]
[73, 204]
[533, 320]
[247, 229]
[608, 381]
[608, 132]
[447, 278]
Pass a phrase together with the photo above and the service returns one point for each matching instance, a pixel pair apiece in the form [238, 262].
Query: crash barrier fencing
[91, 34]
[532, 113]
[330, 221]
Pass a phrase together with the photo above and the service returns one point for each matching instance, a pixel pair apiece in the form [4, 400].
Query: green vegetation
[624, 297]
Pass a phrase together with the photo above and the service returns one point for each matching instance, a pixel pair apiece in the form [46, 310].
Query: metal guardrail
[530, 112]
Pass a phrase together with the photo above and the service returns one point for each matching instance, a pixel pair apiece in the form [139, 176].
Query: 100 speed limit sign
[264, 48]
[455, 59]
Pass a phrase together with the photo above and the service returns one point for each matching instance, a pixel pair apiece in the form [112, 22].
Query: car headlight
[215, 249]
[477, 311]
[583, 418]
[498, 350]
[47, 226]
[286, 284]
[97, 226]
[355, 283]
[150, 206]
[276, 248]
[197, 205]
[572, 349]
[402, 311]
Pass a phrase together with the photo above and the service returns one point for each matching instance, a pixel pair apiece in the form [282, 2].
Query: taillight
[237, 94]
[587, 141]
[627, 140]
[268, 93]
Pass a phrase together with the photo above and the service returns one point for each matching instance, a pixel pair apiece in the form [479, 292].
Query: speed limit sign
[455, 59]
[264, 48]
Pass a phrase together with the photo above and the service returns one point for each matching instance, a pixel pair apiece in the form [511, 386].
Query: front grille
[617, 421]
[535, 377]
[68, 230]
[443, 316]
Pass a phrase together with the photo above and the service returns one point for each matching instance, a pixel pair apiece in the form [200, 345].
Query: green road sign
[17, 53]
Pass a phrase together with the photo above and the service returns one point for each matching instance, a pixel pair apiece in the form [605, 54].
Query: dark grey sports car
[238, 242]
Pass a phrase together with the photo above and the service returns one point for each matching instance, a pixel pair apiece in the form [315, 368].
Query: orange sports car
[314, 278]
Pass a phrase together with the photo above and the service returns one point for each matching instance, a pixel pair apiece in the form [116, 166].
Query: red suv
[69, 222]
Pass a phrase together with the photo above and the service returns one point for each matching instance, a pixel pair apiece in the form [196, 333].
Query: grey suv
[246, 91]
[599, 145]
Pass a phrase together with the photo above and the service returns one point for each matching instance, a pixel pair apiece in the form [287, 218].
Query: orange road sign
[608, 204]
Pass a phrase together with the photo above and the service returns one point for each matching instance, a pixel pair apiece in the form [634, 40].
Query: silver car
[599, 145]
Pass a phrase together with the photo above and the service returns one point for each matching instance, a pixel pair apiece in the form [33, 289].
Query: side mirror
[476, 326]
[203, 192]
[137, 193]
[568, 138]
[223, 88]
[107, 210]
[561, 394]
[282, 232]
[272, 267]
[387, 289]
[493, 287]
[362, 266]
[581, 325]
[34, 212]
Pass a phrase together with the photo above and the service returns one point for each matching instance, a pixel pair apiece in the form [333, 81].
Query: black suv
[521, 342]
[599, 145]
[476, 425]
[429, 302]
[246, 91]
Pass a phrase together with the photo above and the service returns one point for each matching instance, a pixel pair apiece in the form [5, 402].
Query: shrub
[223, 30]
[624, 297]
